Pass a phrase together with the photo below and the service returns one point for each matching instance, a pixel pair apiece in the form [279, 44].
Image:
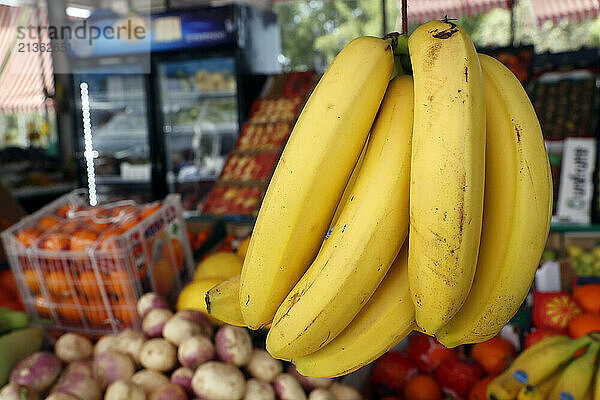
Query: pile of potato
[177, 357]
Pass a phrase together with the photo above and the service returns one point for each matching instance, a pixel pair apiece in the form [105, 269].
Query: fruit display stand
[82, 268]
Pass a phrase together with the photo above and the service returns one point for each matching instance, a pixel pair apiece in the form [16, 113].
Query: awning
[427, 10]
[26, 73]
[556, 10]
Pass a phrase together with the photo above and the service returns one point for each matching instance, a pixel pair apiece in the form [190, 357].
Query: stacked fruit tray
[249, 167]
[83, 268]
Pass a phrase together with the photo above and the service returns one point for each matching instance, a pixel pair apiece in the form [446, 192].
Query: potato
[149, 380]
[263, 366]
[195, 350]
[82, 387]
[177, 329]
[234, 345]
[308, 382]
[154, 322]
[105, 344]
[170, 391]
[215, 380]
[182, 377]
[130, 342]
[259, 390]
[288, 388]
[344, 392]
[150, 301]
[124, 390]
[73, 347]
[320, 394]
[158, 354]
[112, 366]
[61, 396]
[37, 371]
[13, 391]
[81, 369]
[206, 327]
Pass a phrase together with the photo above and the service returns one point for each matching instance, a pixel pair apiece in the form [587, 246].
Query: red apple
[391, 372]
[427, 352]
[458, 376]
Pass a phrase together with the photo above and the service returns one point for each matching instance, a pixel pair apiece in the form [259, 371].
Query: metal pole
[512, 22]
[404, 17]
[383, 16]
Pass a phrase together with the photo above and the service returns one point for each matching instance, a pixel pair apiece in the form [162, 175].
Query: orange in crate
[70, 226]
[63, 212]
[69, 309]
[83, 239]
[124, 312]
[42, 306]
[162, 277]
[177, 253]
[96, 312]
[28, 236]
[48, 222]
[56, 242]
[57, 283]
[119, 284]
[89, 285]
[148, 210]
[31, 280]
[584, 324]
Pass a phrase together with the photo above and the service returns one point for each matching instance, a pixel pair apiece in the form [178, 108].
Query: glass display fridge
[170, 127]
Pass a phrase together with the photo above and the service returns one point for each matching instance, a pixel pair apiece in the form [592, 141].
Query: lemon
[192, 296]
[222, 265]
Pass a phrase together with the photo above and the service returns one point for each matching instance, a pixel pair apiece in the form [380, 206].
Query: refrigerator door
[115, 150]
[199, 104]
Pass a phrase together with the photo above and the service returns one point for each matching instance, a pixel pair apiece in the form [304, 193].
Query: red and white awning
[556, 10]
[427, 10]
[25, 71]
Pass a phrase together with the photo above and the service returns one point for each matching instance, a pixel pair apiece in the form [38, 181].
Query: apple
[391, 372]
[457, 376]
[427, 352]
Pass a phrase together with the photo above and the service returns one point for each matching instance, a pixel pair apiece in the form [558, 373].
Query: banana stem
[399, 44]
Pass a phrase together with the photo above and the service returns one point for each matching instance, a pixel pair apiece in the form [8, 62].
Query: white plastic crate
[86, 271]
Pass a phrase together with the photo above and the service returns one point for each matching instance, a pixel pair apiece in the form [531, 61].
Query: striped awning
[427, 10]
[26, 73]
[556, 10]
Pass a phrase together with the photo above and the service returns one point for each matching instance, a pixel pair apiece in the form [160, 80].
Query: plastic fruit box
[83, 268]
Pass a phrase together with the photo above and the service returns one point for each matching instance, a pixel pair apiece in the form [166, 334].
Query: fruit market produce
[320, 265]
[584, 263]
[542, 361]
[188, 362]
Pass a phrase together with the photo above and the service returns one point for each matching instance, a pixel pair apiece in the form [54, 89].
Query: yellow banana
[223, 302]
[515, 216]
[535, 365]
[530, 393]
[386, 319]
[311, 175]
[447, 171]
[576, 379]
[365, 241]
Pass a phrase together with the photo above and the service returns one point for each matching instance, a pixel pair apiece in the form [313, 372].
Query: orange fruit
[149, 209]
[42, 306]
[56, 242]
[107, 240]
[124, 312]
[63, 211]
[57, 283]
[583, 324]
[95, 311]
[588, 297]
[479, 391]
[175, 251]
[127, 223]
[70, 226]
[48, 222]
[422, 387]
[119, 284]
[31, 280]
[82, 240]
[97, 224]
[123, 211]
[162, 277]
[28, 236]
[69, 310]
[494, 355]
[89, 285]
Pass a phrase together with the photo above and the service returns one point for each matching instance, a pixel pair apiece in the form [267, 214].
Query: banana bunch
[555, 368]
[399, 203]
